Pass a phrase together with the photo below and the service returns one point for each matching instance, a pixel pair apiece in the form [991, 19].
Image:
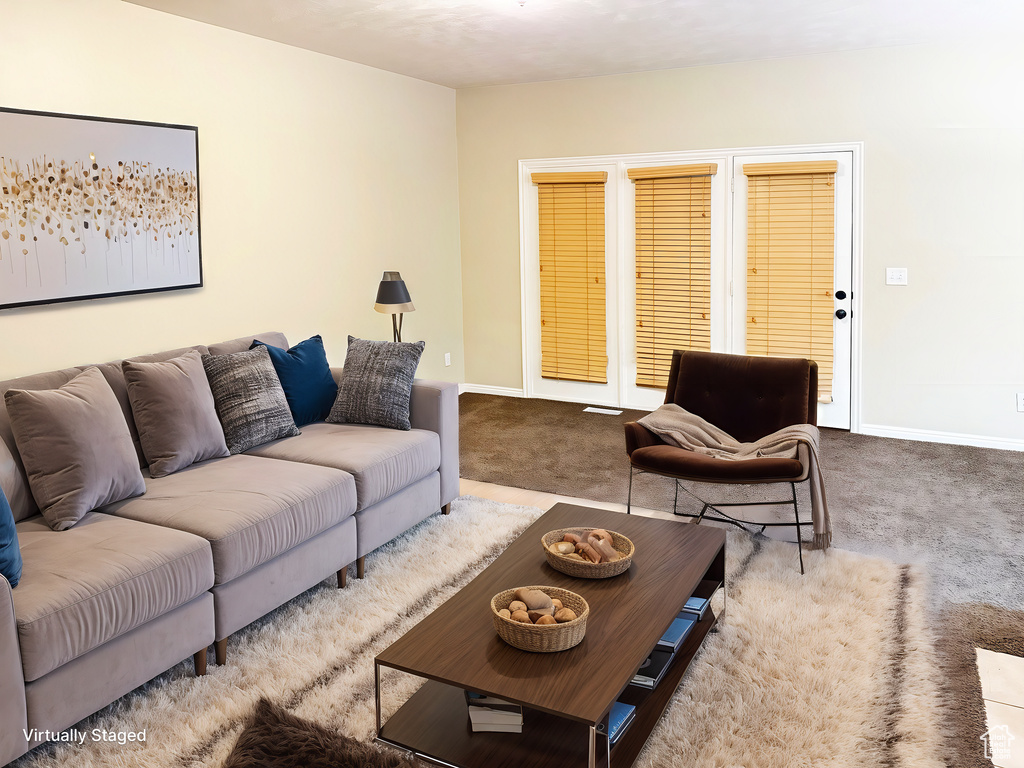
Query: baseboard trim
[487, 389]
[951, 438]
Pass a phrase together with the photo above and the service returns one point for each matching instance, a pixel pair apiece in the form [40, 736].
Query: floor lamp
[393, 298]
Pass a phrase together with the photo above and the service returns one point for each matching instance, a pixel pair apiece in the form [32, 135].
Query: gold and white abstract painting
[92, 207]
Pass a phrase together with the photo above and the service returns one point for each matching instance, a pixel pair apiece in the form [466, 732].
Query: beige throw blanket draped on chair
[688, 430]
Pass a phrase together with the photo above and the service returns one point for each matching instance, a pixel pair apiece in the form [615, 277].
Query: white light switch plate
[895, 276]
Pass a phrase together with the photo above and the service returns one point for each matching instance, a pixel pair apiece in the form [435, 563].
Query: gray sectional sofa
[139, 585]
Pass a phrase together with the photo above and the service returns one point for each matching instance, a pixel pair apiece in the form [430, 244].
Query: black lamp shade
[392, 295]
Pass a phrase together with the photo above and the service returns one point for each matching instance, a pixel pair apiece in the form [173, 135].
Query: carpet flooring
[955, 512]
[834, 668]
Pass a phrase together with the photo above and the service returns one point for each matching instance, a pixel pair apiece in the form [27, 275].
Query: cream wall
[942, 128]
[316, 175]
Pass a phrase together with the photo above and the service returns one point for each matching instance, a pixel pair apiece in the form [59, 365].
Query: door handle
[840, 313]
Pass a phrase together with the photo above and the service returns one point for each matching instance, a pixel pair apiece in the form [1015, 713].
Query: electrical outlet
[895, 275]
[1020, 402]
[447, 358]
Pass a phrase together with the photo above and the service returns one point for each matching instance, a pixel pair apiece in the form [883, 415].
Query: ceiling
[465, 43]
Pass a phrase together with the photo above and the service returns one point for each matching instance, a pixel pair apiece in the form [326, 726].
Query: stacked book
[653, 669]
[619, 720]
[697, 606]
[487, 713]
[655, 666]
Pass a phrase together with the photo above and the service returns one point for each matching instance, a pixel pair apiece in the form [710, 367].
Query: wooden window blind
[673, 265]
[790, 261]
[572, 277]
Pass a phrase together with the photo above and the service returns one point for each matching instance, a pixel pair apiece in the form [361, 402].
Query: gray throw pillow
[76, 448]
[250, 401]
[376, 383]
[174, 412]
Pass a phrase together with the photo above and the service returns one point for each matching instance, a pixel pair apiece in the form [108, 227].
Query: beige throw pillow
[174, 412]
[76, 448]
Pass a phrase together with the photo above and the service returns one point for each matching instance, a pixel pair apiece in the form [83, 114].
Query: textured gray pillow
[175, 413]
[376, 383]
[250, 401]
[76, 448]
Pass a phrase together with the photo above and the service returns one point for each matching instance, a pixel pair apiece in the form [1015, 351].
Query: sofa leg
[220, 651]
[343, 577]
[199, 659]
[446, 509]
[361, 567]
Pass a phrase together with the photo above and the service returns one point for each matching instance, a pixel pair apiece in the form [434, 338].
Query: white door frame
[619, 259]
[838, 413]
[558, 389]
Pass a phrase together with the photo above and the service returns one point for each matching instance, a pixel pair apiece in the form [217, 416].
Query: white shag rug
[835, 668]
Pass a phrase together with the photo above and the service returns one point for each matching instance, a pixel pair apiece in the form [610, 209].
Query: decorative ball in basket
[540, 619]
[588, 553]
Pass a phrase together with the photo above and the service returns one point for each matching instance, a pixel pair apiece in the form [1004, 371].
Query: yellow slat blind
[673, 266]
[572, 278]
[790, 259]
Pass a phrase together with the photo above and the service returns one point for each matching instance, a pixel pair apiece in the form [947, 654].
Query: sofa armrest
[435, 406]
[13, 713]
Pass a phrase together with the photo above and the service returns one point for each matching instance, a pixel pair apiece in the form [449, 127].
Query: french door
[560, 218]
[792, 266]
[775, 258]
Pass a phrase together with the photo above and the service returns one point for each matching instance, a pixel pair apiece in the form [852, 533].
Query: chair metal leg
[721, 517]
[799, 535]
[703, 511]
[629, 496]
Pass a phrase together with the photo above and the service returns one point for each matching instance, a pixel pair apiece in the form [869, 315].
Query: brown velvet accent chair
[748, 397]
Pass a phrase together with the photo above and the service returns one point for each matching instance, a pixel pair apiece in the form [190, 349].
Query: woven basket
[582, 569]
[543, 638]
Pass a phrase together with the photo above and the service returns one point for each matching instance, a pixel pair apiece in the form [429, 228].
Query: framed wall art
[91, 207]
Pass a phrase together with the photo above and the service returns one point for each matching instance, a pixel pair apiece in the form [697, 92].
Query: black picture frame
[95, 207]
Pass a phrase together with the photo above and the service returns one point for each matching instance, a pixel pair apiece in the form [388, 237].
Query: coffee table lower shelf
[434, 724]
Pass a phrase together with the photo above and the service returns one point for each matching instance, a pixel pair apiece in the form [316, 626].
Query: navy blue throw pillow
[10, 555]
[305, 377]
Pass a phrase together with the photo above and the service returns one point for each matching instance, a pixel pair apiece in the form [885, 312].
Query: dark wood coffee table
[566, 695]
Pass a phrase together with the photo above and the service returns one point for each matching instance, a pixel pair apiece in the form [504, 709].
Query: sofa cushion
[382, 461]
[678, 462]
[104, 577]
[174, 412]
[75, 445]
[376, 383]
[250, 509]
[250, 402]
[306, 379]
[10, 552]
